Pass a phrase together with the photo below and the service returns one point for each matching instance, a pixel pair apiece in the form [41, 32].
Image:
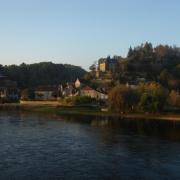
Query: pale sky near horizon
[81, 31]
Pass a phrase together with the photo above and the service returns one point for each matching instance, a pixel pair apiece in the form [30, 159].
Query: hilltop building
[108, 64]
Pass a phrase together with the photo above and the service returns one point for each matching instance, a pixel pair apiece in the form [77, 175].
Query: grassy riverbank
[94, 111]
[65, 110]
[98, 112]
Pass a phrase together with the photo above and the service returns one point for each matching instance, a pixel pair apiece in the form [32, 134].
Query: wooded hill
[157, 63]
[43, 73]
[160, 64]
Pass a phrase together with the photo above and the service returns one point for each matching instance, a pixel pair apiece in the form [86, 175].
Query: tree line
[160, 63]
[44, 73]
[146, 97]
[155, 71]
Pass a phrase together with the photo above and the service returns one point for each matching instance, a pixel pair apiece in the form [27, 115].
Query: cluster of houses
[68, 90]
[106, 66]
[9, 91]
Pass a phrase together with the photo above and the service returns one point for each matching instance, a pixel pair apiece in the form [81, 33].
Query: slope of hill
[43, 73]
[143, 63]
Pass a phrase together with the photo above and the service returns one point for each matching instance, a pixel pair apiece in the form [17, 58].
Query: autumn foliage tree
[122, 98]
[174, 99]
[153, 97]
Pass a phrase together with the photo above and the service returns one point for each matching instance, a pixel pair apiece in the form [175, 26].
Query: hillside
[43, 73]
[145, 62]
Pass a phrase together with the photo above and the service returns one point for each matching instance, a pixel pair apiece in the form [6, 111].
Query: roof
[87, 88]
[66, 85]
[108, 60]
[46, 88]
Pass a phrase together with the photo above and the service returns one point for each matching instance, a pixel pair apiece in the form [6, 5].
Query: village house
[68, 89]
[46, 93]
[90, 92]
[8, 89]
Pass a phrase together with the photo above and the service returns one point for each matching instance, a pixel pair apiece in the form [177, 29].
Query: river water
[83, 147]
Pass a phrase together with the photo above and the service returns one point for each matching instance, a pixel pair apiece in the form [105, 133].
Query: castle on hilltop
[108, 65]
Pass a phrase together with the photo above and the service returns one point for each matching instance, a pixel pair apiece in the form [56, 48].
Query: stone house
[88, 91]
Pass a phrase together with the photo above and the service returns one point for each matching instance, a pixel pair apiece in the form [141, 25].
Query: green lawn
[98, 112]
[66, 110]
[95, 111]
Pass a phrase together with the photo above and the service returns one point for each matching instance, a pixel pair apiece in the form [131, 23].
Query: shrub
[78, 100]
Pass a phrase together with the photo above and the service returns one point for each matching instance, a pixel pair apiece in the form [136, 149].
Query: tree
[130, 52]
[174, 84]
[44, 73]
[88, 76]
[174, 99]
[55, 94]
[93, 67]
[148, 49]
[164, 77]
[153, 97]
[28, 94]
[122, 98]
[176, 71]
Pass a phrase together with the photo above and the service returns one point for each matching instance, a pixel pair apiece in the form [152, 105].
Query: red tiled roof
[87, 88]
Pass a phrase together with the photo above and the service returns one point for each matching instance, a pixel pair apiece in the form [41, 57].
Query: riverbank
[65, 110]
[93, 111]
[98, 112]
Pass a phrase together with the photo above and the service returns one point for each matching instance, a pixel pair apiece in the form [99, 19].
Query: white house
[88, 91]
[46, 93]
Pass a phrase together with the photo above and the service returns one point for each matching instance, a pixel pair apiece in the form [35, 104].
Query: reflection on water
[86, 147]
[158, 128]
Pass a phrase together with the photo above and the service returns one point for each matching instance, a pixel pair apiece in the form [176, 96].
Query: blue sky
[81, 31]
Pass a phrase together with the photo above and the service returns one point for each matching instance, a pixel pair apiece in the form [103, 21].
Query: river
[36, 146]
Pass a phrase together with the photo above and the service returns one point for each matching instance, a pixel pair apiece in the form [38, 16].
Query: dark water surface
[44, 147]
